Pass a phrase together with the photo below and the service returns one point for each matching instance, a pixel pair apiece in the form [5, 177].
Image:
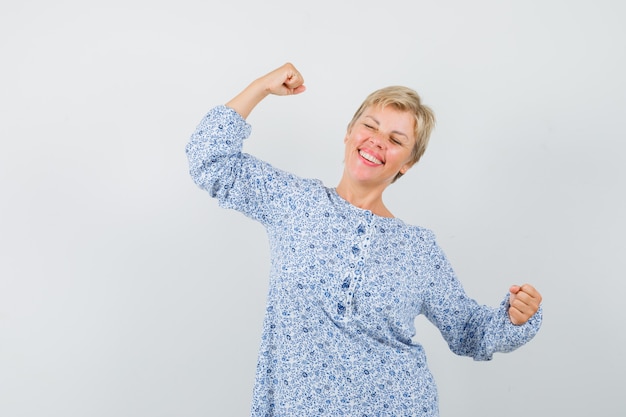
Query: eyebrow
[397, 132]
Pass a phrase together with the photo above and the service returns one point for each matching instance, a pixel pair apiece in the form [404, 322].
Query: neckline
[361, 211]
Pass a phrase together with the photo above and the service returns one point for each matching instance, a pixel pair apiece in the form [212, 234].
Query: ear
[406, 167]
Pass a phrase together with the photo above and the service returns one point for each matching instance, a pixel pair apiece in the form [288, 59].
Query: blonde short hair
[403, 99]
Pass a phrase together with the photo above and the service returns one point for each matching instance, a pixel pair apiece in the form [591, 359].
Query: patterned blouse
[345, 288]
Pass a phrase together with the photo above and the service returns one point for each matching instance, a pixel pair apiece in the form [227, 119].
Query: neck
[364, 197]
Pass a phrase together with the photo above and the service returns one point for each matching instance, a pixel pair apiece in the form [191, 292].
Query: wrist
[260, 89]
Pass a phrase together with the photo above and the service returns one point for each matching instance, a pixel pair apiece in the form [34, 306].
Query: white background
[126, 291]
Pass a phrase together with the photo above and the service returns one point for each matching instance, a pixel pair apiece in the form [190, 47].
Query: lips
[369, 157]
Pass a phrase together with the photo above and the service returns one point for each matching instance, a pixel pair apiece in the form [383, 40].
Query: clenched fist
[283, 81]
[524, 303]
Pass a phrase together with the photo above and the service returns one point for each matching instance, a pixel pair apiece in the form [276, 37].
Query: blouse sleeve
[218, 165]
[470, 329]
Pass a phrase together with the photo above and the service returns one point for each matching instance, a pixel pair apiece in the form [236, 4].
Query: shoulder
[419, 236]
[423, 243]
[287, 180]
[288, 191]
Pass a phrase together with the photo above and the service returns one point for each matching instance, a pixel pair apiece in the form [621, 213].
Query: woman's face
[379, 145]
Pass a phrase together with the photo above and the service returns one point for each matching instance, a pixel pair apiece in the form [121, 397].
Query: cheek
[401, 155]
[351, 141]
[348, 148]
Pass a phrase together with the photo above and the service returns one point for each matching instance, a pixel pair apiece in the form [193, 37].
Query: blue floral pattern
[345, 288]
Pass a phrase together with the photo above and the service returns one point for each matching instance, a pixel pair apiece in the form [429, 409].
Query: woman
[347, 277]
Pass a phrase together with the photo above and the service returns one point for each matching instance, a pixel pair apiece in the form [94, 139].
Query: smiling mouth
[369, 157]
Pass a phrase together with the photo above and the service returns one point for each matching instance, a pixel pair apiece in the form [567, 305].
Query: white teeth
[370, 157]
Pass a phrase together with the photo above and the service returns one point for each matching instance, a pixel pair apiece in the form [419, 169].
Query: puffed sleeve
[238, 180]
[470, 329]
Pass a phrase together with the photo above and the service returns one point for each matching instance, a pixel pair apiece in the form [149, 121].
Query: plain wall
[126, 291]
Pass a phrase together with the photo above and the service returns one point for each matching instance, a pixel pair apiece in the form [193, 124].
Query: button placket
[358, 252]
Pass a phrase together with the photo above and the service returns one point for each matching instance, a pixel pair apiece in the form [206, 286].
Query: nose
[376, 140]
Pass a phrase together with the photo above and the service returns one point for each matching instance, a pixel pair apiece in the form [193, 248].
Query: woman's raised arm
[283, 81]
